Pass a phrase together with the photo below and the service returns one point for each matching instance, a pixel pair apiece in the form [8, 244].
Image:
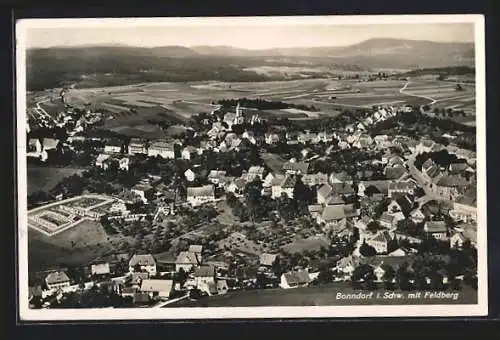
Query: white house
[113, 146]
[142, 190]
[436, 229]
[162, 149]
[57, 280]
[159, 288]
[380, 242]
[200, 195]
[188, 152]
[189, 175]
[124, 163]
[137, 146]
[144, 262]
[187, 260]
[294, 279]
[100, 160]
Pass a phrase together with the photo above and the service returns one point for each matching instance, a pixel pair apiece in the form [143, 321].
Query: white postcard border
[479, 309]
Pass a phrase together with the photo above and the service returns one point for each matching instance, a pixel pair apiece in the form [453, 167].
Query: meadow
[46, 178]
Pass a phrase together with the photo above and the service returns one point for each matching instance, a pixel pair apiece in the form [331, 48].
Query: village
[243, 203]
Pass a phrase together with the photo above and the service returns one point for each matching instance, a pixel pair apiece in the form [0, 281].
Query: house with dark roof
[436, 229]
[113, 146]
[387, 220]
[449, 186]
[340, 177]
[203, 276]
[337, 214]
[142, 263]
[294, 279]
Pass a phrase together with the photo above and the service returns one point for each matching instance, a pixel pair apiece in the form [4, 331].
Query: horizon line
[111, 44]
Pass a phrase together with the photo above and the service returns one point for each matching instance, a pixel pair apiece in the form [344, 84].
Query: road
[402, 91]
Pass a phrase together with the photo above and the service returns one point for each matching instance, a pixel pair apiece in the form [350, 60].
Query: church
[234, 118]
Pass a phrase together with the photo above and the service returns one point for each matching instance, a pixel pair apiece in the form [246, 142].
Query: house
[347, 265]
[395, 161]
[325, 137]
[296, 168]
[400, 252]
[459, 168]
[464, 208]
[100, 269]
[157, 288]
[449, 186]
[162, 149]
[272, 138]
[186, 261]
[142, 263]
[142, 190]
[204, 275]
[113, 146]
[362, 223]
[436, 229]
[237, 186]
[189, 175]
[337, 214]
[417, 215]
[222, 287]
[402, 204]
[200, 195]
[395, 173]
[197, 250]
[387, 220]
[425, 145]
[340, 177]
[306, 152]
[294, 279]
[100, 160]
[315, 210]
[457, 240]
[397, 188]
[380, 242]
[363, 142]
[56, 280]
[323, 193]
[137, 146]
[255, 172]
[214, 176]
[124, 164]
[283, 185]
[188, 152]
[431, 173]
[267, 260]
[306, 138]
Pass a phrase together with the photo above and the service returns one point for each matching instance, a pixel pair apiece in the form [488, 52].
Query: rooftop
[205, 271]
[206, 190]
[150, 285]
[142, 260]
[57, 277]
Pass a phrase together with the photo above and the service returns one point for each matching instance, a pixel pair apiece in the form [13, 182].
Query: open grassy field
[45, 178]
[318, 296]
[76, 246]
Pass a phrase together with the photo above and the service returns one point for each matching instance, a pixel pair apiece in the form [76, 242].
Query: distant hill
[372, 53]
[117, 65]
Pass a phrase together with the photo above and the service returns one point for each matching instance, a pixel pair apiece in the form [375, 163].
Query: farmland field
[179, 101]
[44, 178]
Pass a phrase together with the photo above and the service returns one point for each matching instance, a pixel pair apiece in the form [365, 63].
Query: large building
[162, 149]
[143, 263]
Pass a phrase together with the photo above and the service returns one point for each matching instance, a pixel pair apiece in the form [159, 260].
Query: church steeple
[238, 110]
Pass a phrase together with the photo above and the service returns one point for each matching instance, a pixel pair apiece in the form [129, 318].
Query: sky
[244, 36]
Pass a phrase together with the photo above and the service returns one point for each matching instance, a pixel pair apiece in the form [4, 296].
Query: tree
[373, 226]
[388, 277]
[367, 250]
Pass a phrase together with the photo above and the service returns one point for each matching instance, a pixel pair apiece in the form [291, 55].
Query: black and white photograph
[251, 167]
